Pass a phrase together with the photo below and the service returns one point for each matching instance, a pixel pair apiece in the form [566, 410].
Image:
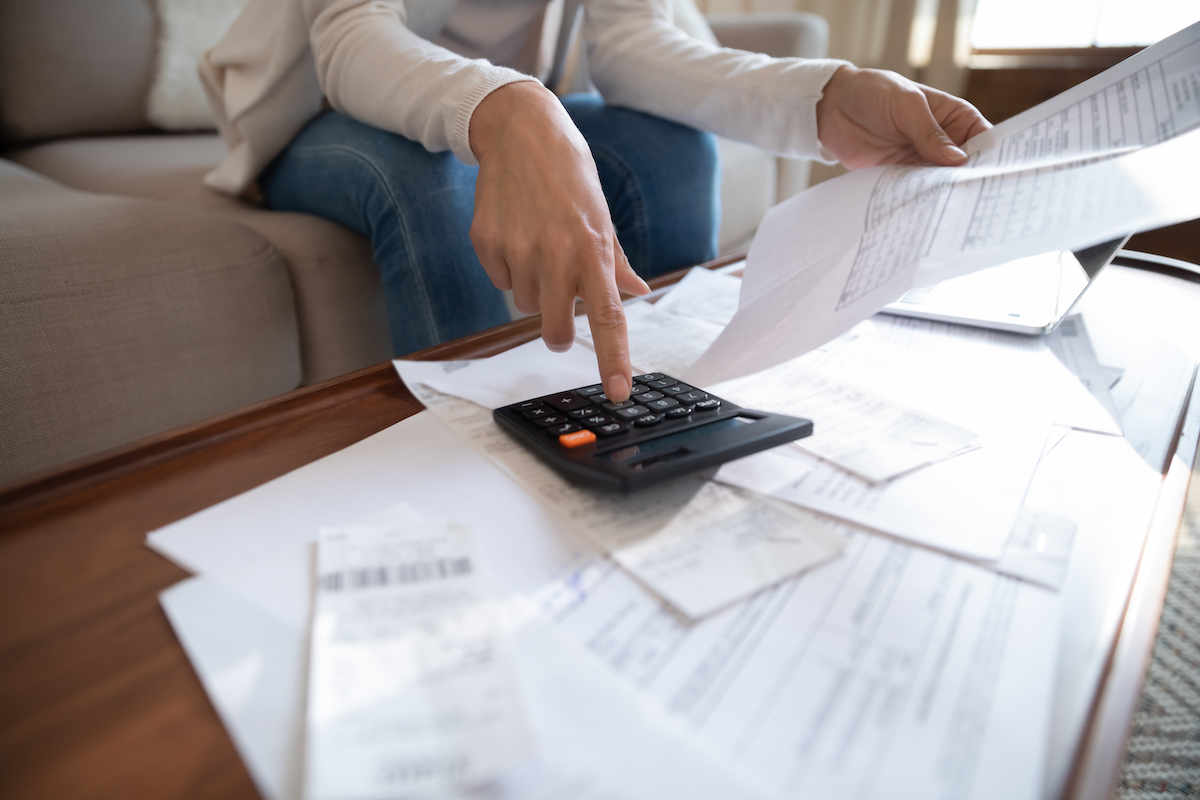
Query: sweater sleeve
[373, 67]
[639, 59]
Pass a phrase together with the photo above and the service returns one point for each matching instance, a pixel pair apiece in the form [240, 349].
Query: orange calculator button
[577, 438]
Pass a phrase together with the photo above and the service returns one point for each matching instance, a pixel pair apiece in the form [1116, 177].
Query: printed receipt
[698, 544]
[410, 688]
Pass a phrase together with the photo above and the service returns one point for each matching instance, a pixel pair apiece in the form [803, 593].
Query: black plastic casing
[707, 443]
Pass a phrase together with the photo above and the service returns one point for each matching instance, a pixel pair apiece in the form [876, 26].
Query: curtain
[926, 40]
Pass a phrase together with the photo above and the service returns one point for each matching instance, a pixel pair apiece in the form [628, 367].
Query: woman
[470, 177]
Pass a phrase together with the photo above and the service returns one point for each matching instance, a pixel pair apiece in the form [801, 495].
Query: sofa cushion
[74, 66]
[122, 318]
[339, 296]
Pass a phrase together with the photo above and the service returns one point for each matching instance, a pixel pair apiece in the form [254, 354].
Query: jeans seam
[430, 317]
[641, 226]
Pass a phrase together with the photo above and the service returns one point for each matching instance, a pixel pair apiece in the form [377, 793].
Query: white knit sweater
[393, 64]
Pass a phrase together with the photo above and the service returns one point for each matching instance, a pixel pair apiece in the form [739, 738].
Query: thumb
[916, 121]
[627, 281]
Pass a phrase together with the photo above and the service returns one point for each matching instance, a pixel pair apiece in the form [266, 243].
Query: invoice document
[894, 672]
[1119, 154]
[411, 688]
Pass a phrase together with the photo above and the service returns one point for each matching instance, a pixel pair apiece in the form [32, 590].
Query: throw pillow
[186, 28]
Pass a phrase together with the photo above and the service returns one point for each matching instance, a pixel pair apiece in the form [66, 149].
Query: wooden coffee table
[97, 698]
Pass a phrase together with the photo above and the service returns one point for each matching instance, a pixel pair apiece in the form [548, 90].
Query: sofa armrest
[786, 34]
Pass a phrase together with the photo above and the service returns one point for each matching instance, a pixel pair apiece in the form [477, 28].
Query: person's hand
[869, 117]
[542, 226]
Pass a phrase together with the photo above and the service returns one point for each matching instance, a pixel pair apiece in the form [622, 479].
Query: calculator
[665, 429]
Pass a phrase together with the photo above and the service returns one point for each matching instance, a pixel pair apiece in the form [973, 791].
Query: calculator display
[666, 429]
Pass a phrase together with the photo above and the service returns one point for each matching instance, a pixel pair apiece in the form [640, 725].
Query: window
[1030, 24]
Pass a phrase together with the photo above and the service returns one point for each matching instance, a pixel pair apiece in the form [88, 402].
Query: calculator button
[679, 412]
[691, 397]
[566, 401]
[678, 388]
[631, 412]
[711, 404]
[534, 413]
[580, 413]
[596, 420]
[611, 406]
[528, 404]
[663, 404]
[553, 419]
[661, 383]
[577, 438]
[647, 397]
[612, 429]
[646, 420]
[588, 391]
[563, 427]
[637, 388]
[649, 376]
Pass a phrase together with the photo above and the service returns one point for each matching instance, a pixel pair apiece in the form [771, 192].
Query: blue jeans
[660, 180]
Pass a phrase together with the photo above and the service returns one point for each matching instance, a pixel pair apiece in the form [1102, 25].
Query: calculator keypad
[584, 415]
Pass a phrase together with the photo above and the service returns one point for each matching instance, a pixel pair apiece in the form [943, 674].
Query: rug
[1163, 759]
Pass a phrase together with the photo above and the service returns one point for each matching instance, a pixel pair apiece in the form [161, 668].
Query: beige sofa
[133, 300]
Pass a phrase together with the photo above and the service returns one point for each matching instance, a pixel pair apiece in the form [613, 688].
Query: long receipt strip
[1115, 154]
[410, 686]
[594, 739]
[701, 545]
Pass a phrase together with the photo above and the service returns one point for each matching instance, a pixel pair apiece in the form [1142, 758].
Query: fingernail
[953, 153]
[617, 389]
[558, 348]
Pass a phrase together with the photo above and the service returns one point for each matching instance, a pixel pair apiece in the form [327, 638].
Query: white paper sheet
[705, 295]
[700, 545]
[858, 430]
[980, 380]
[660, 341]
[966, 506]
[411, 691]
[833, 255]
[1007, 387]
[261, 540]
[595, 739]
[893, 672]
[528, 370]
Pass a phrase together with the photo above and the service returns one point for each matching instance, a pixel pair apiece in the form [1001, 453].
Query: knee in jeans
[697, 155]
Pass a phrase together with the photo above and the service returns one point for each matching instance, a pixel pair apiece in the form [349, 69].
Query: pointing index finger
[606, 317]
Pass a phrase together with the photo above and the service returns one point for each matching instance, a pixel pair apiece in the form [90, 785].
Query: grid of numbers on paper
[1156, 103]
[902, 218]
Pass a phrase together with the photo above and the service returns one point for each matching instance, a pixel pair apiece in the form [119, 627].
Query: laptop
[1030, 295]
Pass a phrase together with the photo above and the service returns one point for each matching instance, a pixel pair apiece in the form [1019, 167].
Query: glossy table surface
[97, 698]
